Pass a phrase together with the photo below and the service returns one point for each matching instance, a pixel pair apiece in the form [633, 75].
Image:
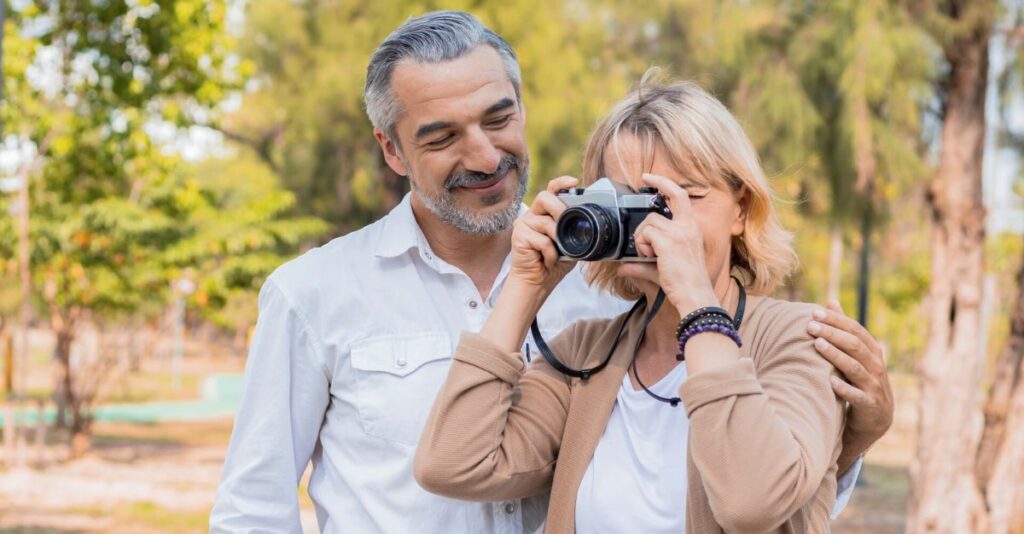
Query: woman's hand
[534, 259]
[679, 247]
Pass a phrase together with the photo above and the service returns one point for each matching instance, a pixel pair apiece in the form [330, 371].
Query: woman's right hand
[534, 255]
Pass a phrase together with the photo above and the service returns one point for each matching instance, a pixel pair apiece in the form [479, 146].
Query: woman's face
[717, 212]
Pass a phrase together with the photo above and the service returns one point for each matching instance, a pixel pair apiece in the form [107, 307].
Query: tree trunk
[1001, 453]
[945, 496]
[864, 272]
[835, 263]
[63, 393]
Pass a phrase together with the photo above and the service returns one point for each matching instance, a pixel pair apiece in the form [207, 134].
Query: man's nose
[480, 153]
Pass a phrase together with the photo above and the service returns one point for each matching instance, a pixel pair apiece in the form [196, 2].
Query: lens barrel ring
[587, 232]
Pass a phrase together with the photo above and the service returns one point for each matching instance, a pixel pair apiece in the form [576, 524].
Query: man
[354, 338]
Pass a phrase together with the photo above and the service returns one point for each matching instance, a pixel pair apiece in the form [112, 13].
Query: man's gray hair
[432, 38]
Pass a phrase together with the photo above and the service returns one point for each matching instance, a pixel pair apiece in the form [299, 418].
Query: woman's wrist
[515, 309]
[687, 305]
[527, 291]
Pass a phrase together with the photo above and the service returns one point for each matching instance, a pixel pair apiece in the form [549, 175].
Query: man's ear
[739, 223]
[390, 150]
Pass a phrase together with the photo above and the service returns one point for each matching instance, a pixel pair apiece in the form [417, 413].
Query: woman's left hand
[678, 245]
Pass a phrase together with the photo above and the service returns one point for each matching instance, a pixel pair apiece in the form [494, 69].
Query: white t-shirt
[636, 481]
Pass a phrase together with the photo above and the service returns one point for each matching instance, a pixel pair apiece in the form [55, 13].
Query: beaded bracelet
[726, 330]
[700, 313]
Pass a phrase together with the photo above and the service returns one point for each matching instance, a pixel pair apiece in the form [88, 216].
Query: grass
[190, 434]
[149, 386]
[156, 516]
[141, 386]
[150, 515]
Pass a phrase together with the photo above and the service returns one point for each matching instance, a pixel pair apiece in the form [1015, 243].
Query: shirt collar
[402, 232]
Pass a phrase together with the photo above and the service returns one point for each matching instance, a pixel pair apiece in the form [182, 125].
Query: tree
[1000, 459]
[829, 93]
[304, 113]
[115, 216]
[945, 494]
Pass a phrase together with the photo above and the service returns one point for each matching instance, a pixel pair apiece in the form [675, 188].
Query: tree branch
[261, 146]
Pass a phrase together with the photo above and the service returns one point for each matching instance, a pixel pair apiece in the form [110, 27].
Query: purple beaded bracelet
[725, 330]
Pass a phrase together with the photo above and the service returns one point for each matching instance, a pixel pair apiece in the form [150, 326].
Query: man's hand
[858, 356]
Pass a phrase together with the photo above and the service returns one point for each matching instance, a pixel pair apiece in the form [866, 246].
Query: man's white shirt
[353, 342]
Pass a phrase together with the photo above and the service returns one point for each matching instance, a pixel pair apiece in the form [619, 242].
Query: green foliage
[831, 94]
[305, 117]
[240, 230]
[115, 217]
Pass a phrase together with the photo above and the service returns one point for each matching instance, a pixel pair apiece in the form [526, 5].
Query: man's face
[461, 140]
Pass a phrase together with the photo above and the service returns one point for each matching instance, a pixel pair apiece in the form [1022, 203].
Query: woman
[742, 435]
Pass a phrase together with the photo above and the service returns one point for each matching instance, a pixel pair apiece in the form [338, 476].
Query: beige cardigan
[765, 431]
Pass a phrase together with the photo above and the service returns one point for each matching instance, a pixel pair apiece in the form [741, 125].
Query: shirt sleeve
[285, 393]
[845, 485]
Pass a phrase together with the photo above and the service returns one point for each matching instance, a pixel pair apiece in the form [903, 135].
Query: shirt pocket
[397, 379]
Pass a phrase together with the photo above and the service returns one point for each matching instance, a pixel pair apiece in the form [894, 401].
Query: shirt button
[473, 304]
[510, 508]
[400, 362]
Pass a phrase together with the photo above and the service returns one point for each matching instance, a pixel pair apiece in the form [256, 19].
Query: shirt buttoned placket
[508, 518]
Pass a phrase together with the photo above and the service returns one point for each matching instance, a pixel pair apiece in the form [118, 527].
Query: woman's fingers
[657, 232]
[562, 182]
[641, 240]
[675, 196]
[546, 203]
[643, 270]
[541, 224]
[536, 243]
[534, 234]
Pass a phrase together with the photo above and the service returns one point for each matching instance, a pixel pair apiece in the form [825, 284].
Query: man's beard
[444, 206]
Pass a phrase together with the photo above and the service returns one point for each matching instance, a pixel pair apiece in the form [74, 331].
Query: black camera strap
[583, 373]
[545, 350]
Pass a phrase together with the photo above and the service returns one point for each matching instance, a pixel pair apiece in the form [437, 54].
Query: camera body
[599, 221]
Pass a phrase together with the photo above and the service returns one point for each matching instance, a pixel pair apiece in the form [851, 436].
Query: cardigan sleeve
[763, 440]
[496, 426]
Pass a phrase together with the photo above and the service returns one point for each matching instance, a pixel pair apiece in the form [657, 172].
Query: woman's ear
[739, 223]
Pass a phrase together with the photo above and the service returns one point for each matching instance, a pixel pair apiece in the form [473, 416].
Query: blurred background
[158, 159]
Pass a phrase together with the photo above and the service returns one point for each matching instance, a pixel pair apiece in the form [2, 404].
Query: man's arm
[284, 396]
[856, 354]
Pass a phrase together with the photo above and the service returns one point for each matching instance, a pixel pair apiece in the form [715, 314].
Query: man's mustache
[469, 178]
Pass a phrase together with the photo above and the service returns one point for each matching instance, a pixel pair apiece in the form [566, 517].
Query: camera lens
[579, 234]
[586, 232]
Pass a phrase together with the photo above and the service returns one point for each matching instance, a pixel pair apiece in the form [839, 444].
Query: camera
[599, 221]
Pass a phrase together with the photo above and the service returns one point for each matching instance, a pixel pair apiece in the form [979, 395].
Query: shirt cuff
[845, 485]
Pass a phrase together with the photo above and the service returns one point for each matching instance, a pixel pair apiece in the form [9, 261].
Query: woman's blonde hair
[706, 144]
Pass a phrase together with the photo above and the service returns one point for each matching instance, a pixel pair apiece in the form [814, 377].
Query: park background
[158, 159]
